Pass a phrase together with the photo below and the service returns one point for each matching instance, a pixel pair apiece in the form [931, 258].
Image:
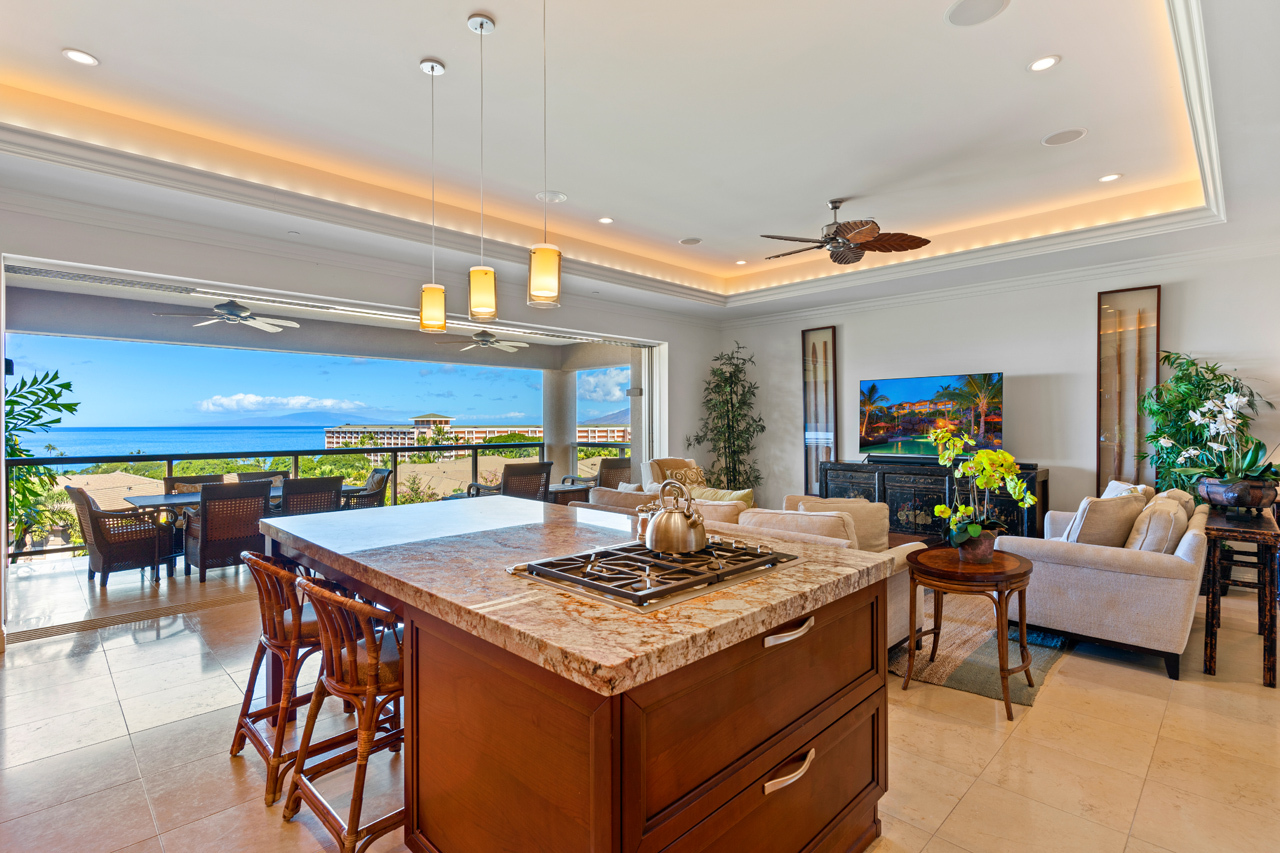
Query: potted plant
[1229, 467]
[730, 424]
[973, 528]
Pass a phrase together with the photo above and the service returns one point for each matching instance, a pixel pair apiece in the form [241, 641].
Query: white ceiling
[720, 120]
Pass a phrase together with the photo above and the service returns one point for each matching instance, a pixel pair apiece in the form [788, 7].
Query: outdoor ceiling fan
[233, 312]
[849, 241]
[485, 339]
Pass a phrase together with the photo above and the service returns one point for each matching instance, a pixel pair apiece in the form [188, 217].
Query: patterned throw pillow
[689, 475]
[186, 488]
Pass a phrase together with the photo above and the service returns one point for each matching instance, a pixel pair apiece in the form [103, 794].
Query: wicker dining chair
[521, 480]
[308, 495]
[361, 664]
[120, 540]
[225, 524]
[374, 493]
[612, 471]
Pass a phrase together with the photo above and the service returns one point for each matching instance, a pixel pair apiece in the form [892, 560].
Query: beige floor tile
[896, 836]
[51, 781]
[921, 792]
[174, 744]
[1242, 700]
[1241, 738]
[1144, 676]
[1216, 775]
[957, 703]
[98, 823]
[1137, 845]
[19, 655]
[1105, 742]
[949, 741]
[1076, 785]
[178, 703]
[1183, 822]
[52, 672]
[132, 683]
[204, 787]
[127, 657]
[992, 820]
[939, 845]
[33, 705]
[146, 631]
[249, 828]
[151, 845]
[1087, 697]
[56, 735]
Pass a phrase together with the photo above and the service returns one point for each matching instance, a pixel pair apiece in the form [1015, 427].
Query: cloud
[606, 386]
[255, 403]
[445, 394]
[437, 368]
[535, 386]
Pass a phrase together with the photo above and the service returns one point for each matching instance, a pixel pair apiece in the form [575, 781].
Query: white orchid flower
[1197, 418]
[1193, 451]
[1233, 401]
[1218, 447]
[1165, 441]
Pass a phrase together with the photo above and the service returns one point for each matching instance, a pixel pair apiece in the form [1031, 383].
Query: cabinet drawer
[806, 796]
[690, 737]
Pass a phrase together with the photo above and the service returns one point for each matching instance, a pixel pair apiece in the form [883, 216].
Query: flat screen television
[896, 415]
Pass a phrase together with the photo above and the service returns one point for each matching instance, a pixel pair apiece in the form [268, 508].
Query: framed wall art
[821, 418]
[1128, 365]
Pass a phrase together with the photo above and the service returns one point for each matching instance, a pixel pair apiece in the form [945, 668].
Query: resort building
[420, 430]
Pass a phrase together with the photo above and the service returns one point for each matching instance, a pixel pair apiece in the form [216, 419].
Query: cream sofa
[628, 502]
[1139, 600]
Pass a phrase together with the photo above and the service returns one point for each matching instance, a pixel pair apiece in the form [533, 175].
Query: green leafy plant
[1175, 433]
[730, 425]
[988, 471]
[33, 405]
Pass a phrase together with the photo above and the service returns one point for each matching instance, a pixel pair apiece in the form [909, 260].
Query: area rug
[968, 657]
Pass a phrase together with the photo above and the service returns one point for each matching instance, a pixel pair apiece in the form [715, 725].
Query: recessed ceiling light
[1106, 179]
[739, 263]
[690, 241]
[551, 196]
[1064, 137]
[1044, 63]
[79, 56]
[968, 13]
[606, 220]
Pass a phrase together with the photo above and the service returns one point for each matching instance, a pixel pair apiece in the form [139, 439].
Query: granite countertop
[449, 559]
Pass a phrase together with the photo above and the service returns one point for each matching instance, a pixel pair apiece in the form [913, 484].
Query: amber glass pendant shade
[483, 302]
[544, 276]
[431, 309]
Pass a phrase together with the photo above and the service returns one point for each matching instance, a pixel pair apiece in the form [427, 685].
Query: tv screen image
[896, 415]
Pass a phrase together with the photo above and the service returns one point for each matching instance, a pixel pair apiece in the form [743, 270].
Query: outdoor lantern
[431, 312]
[544, 276]
[483, 304]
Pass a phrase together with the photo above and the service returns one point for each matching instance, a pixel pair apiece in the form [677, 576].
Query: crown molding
[1187, 23]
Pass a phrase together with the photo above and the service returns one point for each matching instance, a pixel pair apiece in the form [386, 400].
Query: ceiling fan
[485, 339]
[233, 312]
[849, 241]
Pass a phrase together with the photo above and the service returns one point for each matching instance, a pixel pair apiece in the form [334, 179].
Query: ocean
[119, 441]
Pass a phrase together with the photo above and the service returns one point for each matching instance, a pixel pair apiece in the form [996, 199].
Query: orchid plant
[986, 470]
[1228, 453]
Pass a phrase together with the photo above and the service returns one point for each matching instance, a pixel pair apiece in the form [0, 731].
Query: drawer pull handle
[784, 781]
[788, 636]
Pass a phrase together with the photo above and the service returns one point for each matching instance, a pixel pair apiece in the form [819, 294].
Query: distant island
[298, 419]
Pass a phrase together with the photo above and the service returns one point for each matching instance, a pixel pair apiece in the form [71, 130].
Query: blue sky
[911, 390]
[120, 383]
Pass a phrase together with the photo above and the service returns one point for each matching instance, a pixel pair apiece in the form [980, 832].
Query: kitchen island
[751, 718]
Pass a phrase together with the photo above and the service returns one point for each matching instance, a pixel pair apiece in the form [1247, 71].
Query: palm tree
[871, 400]
[986, 390]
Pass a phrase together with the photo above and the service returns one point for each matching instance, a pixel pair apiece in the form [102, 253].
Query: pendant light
[482, 302]
[431, 316]
[544, 258]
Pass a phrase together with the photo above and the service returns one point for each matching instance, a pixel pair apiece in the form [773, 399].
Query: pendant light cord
[544, 121]
[482, 144]
[433, 177]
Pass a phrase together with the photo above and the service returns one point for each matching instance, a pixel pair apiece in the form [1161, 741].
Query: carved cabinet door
[852, 484]
[911, 501]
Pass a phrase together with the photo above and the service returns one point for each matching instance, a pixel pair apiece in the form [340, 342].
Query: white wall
[1042, 337]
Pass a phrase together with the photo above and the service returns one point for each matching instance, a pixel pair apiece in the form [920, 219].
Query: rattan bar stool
[361, 664]
[291, 633]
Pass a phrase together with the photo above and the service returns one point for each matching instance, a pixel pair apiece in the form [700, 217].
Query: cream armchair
[651, 471]
[1140, 600]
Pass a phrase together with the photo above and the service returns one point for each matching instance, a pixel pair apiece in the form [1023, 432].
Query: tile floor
[116, 740]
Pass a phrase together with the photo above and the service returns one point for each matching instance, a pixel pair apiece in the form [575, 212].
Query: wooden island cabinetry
[751, 719]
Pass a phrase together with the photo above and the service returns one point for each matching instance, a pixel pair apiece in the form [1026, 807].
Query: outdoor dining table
[178, 501]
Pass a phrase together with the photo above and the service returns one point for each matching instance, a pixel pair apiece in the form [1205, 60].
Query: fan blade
[258, 324]
[275, 322]
[793, 252]
[792, 239]
[848, 256]
[214, 316]
[208, 322]
[512, 343]
[857, 230]
[464, 349]
[894, 241]
[504, 347]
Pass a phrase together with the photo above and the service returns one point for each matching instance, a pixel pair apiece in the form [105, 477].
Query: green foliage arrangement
[730, 425]
[33, 405]
[1180, 409]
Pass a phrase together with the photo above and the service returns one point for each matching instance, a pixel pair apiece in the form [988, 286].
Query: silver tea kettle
[672, 529]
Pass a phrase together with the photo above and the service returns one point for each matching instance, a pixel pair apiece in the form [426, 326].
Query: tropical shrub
[730, 425]
[33, 405]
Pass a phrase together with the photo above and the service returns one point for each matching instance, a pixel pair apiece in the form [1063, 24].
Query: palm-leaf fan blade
[795, 252]
[894, 241]
[848, 256]
[857, 230]
[259, 324]
[792, 239]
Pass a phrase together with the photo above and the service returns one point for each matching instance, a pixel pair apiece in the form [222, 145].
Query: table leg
[1022, 635]
[912, 634]
[1270, 569]
[1002, 645]
[1265, 558]
[1212, 604]
[937, 623]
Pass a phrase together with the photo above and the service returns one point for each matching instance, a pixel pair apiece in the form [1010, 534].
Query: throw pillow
[837, 525]
[1117, 488]
[1159, 527]
[690, 475]
[186, 488]
[870, 520]
[1184, 499]
[630, 487]
[705, 493]
[1105, 521]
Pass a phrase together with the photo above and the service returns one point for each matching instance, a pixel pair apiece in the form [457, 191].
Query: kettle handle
[684, 492]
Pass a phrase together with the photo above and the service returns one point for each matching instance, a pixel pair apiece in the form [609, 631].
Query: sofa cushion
[1106, 521]
[630, 487]
[1116, 488]
[870, 520]
[1184, 499]
[737, 531]
[709, 494]
[791, 503]
[615, 498]
[834, 524]
[1159, 527]
[726, 512]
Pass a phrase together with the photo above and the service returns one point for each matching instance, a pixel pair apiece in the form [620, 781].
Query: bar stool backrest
[312, 494]
[358, 641]
[278, 597]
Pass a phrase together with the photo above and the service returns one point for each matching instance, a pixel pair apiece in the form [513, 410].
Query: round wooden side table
[940, 569]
